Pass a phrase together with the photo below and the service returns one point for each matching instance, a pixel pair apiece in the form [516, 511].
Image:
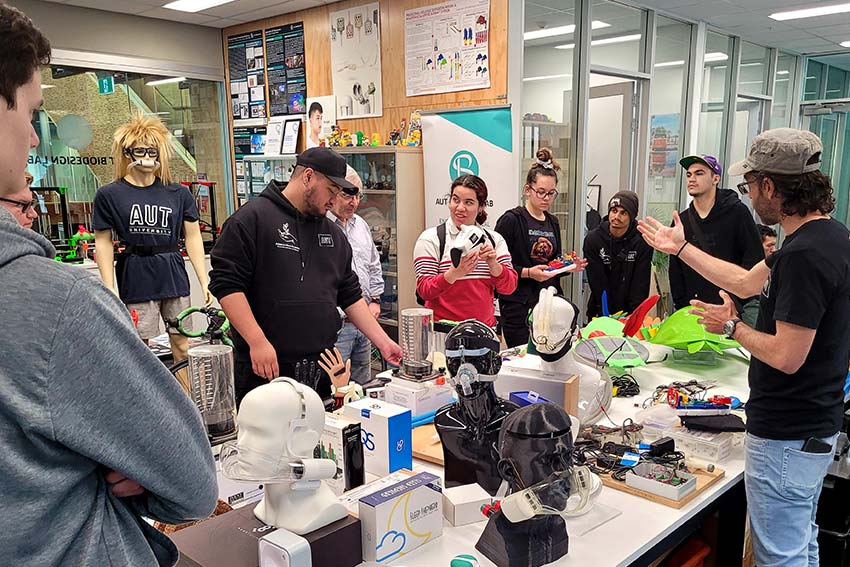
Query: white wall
[178, 46]
[604, 139]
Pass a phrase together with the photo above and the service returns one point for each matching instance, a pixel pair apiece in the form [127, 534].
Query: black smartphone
[815, 445]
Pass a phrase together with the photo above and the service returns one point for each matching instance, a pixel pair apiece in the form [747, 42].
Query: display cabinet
[393, 205]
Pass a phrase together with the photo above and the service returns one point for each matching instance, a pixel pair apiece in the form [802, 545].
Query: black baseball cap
[328, 163]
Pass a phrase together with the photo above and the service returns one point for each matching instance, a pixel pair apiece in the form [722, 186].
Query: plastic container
[712, 447]
[656, 420]
[636, 479]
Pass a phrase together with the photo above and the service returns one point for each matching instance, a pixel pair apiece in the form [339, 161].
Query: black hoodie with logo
[294, 270]
[729, 233]
[619, 266]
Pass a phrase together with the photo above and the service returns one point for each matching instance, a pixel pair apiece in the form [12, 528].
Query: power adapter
[661, 447]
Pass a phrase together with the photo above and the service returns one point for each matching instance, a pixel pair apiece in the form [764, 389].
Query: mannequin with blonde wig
[141, 150]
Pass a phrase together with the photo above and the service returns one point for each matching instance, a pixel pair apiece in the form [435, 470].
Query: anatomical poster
[356, 61]
[446, 47]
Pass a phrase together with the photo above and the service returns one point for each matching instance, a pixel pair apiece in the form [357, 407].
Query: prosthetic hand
[339, 372]
[470, 238]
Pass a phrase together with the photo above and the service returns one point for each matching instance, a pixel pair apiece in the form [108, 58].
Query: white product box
[282, 548]
[419, 398]
[399, 518]
[462, 504]
[636, 479]
[341, 442]
[386, 432]
[713, 447]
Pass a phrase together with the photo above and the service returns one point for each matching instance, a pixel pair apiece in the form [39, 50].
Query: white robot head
[553, 323]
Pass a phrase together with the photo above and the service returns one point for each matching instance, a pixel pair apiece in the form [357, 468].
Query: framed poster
[290, 136]
[356, 61]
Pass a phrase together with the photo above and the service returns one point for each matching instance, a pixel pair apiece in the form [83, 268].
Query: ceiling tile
[239, 7]
[223, 23]
[178, 16]
[121, 6]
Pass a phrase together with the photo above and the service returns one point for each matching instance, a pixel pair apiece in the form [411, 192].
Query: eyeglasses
[348, 198]
[142, 152]
[24, 205]
[743, 187]
[544, 194]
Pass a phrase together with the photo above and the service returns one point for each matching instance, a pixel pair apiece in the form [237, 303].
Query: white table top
[642, 523]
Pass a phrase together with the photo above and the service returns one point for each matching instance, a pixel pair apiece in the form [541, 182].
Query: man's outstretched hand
[667, 239]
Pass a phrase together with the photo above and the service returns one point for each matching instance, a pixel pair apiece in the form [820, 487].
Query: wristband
[682, 248]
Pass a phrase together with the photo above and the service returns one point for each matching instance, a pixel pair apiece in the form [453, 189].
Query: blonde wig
[145, 131]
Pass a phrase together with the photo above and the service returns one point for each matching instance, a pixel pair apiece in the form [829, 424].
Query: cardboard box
[340, 442]
[386, 432]
[462, 504]
[232, 540]
[419, 398]
[401, 517]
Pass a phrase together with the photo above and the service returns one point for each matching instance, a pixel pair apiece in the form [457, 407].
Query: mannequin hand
[711, 316]
[264, 360]
[375, 309]
[332, 364]
[122, 487]
[391, 353]
[467, 264]
[539, 274]
[667, 239]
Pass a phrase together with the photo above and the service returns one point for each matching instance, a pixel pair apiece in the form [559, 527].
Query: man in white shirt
[366, 263]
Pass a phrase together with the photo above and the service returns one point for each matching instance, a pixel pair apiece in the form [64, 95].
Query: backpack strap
[441, 237]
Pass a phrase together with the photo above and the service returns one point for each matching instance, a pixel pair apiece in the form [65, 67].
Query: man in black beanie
[618, 260]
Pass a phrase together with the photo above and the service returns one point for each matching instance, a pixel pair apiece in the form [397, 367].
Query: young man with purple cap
[799, 345]
[717, 222]
[280, 270]
[618, 260]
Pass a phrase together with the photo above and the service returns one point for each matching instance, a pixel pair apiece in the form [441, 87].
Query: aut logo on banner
[463, 162]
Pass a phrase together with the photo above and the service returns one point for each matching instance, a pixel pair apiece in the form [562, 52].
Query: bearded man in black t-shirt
[801, 342]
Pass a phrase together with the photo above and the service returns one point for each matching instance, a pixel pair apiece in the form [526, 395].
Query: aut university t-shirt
[808, 286]
[147, 216]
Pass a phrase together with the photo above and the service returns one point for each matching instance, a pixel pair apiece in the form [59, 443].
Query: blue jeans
[354, 345]
[783, 485]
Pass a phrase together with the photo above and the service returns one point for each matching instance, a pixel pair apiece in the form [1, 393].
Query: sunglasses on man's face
[142, 152]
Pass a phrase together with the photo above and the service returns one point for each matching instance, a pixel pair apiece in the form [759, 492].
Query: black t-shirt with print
[808, 286]
[147, 216]
[541, 239]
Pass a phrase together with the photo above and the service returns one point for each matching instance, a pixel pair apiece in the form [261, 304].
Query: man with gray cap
[800, 344]
[281, 268]
[618, 260]
[717, 222]
[366, 262]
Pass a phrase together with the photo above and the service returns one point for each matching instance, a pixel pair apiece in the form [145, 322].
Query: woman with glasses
[533, 236]
[465, 291]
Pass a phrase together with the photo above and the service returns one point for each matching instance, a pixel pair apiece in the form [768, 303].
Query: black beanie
[627, 200]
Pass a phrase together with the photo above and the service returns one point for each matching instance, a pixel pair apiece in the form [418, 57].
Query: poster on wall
[477, 142]
[321, 115]
[446, 47]
[249, 140]
[246, 63]
[286, 69]
[356, 61]
[664, 145]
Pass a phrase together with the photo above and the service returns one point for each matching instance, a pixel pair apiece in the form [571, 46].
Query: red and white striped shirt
[470, 297]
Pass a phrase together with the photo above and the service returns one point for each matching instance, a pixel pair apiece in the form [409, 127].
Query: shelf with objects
[260, 170]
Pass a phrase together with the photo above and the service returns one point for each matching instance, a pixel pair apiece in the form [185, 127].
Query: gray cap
[785, 151]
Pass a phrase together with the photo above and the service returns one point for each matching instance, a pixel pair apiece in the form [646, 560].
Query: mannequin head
[472, 357]
[142, 145]
[535, 441]
[553, 324]
[279, 423]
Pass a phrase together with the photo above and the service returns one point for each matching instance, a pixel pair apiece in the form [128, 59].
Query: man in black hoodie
[281, 268]
[618, 259]
[718, 223]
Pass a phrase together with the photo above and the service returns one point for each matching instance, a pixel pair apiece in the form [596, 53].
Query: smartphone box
[462, 504]
[419, 398]
[340, 442]
[385, 430]
[399, 518]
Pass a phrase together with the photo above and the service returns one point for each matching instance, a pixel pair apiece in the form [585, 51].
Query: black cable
[626, 386]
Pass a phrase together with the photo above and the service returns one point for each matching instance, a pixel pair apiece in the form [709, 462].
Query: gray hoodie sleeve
[110, 399]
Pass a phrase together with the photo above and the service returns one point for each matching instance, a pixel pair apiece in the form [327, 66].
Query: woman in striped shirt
[465, 291]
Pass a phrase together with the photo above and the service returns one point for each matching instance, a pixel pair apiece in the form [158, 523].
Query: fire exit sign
[106, 85]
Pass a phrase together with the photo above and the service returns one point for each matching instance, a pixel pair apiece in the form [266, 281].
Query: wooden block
[426, 444]
[704, 480]
[571, 395]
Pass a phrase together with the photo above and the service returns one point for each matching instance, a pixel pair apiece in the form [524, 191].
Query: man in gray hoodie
[96, 434]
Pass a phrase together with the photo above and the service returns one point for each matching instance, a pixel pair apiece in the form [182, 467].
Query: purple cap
[705, 159]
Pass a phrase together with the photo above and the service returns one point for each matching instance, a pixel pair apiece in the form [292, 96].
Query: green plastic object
[607, 325]
[682, 331]
[616, 352]
[464, 560]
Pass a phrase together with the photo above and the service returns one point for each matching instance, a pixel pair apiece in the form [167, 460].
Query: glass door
[749, 122]
[829, 121]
